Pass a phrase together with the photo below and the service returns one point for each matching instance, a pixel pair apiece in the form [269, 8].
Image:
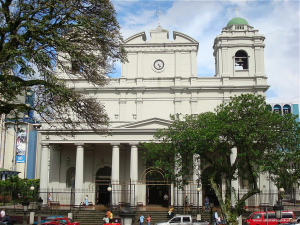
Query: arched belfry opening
[102, 181]
[156, 186]
[207, 189]
[241, 60]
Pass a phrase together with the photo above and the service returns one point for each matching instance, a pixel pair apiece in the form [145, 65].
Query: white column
[194, 63]
[177, 63]
[115, 174]
[225, 61]
[134, 173]
[179, 193]
[234, 183]
[44, 178]
[196, 176]
[79, 197]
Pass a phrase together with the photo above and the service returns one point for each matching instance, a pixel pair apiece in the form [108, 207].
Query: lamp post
[278, 211]
[278, 207]
[280, 197]
[109, 189]
[211, 205]
[198, 190]
[25, 205]
[32, 189]
[40, 204]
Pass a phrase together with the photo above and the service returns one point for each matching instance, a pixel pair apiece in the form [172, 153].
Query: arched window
[286, 109]
[241, 60]
[277, 109]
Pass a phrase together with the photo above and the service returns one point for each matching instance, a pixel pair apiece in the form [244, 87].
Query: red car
[59, 221]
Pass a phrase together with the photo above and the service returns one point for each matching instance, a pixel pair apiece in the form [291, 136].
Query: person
[7, 220]
[219, 220]
[171, 212]
[148, 220]
[216, 218]
[166, 200]
[141, 219]
[110, 216]
[86, 200]
[186, 201]
[206, 203]
[106, 219]
[49, 200]
[2, 214]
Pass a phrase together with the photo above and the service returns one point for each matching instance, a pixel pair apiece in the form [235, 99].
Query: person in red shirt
[148, 220]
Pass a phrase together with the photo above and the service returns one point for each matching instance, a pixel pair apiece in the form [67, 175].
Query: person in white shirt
[2, 213]
[216, 218]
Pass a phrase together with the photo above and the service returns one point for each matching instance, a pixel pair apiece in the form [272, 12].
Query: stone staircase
[95, 217]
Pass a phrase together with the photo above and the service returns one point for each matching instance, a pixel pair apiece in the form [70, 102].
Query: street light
[40, 204]
[280, 197]
[211, 205]
[279, 207]
[198, 190]
[32, 189]
[278, 211]
[25, 205]
[109, 190]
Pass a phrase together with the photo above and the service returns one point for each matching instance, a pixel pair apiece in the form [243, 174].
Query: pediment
[153, 123]
[183, 38]
[136, 38]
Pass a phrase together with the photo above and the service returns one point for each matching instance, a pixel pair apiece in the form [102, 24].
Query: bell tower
[239, 51]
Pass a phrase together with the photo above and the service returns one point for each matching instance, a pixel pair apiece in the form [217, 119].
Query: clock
[159, 64]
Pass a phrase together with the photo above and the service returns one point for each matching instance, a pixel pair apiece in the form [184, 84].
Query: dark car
[47, 219]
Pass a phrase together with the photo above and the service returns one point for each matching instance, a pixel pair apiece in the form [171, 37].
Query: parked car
[293, 222]
[202, 222]
[183, 219]
[260, 218]
[47, 219]
[63, 220]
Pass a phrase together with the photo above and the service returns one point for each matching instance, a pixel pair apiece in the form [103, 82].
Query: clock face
[159, 64]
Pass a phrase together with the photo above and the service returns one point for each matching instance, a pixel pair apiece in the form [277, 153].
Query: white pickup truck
[183, 220]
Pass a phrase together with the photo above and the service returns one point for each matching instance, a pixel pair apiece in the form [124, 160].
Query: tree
[246, 124]
[42, 39]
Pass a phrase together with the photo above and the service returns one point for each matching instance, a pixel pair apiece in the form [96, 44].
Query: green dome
[237, 20]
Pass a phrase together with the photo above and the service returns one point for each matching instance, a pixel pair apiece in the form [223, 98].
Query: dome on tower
[237, 20]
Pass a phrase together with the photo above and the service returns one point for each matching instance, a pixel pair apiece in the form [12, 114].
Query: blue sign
[20, 159]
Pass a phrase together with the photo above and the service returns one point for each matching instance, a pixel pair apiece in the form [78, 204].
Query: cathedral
[160, 79]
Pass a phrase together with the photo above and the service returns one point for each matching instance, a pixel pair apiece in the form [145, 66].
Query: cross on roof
[237, 9]
[159, 13]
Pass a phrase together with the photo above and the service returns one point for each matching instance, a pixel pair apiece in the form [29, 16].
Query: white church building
[159, 79]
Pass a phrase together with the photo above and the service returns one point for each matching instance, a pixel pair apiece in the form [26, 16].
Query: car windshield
[71, 221]
[250, 216]
[50, 218]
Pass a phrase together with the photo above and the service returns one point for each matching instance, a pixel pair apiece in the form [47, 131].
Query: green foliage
[41, 40]
[263, 140]
[16, 189]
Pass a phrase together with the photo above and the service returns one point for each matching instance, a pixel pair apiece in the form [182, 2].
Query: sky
[203, 20]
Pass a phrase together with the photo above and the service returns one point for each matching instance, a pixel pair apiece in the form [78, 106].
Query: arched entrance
[102, 182]
[207, 189]
[156, 186]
